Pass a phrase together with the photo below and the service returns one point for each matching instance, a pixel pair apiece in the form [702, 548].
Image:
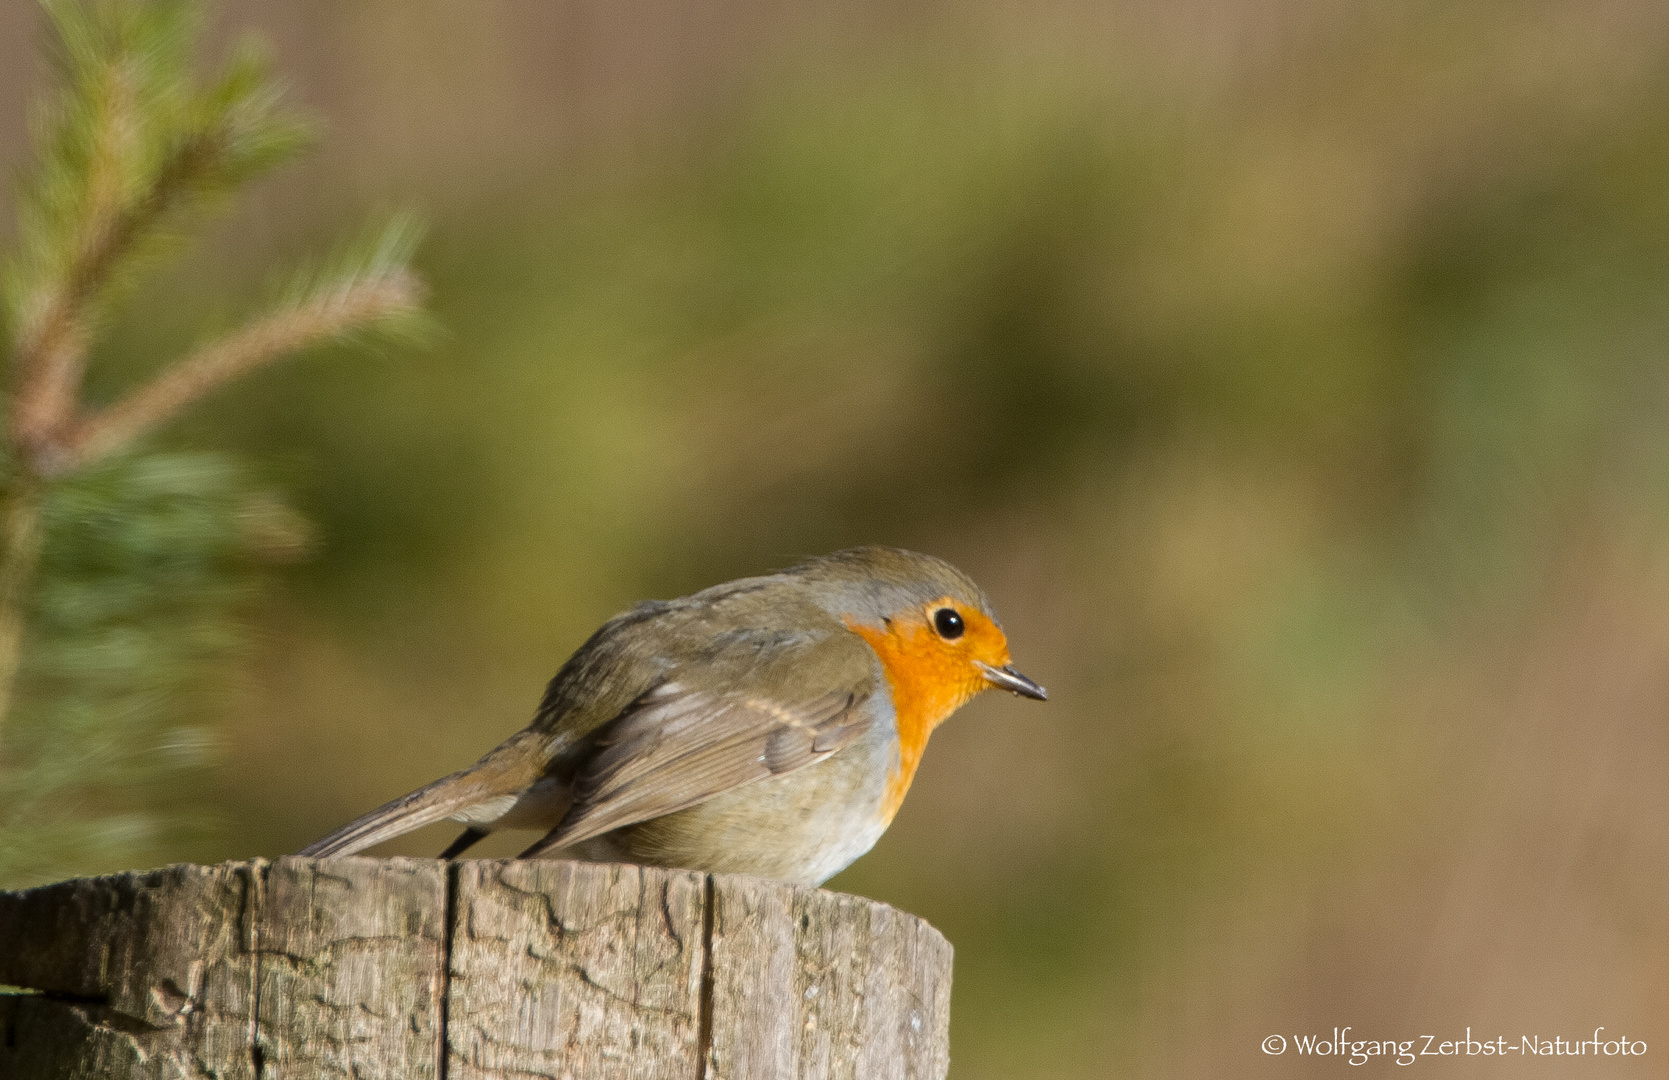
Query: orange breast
[928, 683]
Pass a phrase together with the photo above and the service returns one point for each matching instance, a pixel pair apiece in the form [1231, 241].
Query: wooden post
[412, 969]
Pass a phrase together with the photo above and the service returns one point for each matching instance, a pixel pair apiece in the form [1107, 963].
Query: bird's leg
[466, 840]
[544, 844]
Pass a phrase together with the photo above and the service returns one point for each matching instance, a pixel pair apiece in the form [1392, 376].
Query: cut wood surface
[411, 969]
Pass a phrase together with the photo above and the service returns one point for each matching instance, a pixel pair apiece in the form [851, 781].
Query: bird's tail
[495, 776]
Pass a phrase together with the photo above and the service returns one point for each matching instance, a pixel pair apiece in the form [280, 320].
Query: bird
[768, 726]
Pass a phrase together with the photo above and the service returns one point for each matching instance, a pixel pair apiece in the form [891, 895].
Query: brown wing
[676, 747]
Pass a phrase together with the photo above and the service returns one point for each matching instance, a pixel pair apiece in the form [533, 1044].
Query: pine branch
[130, 153]
[129, 148]
[373, 293]
[52, 346]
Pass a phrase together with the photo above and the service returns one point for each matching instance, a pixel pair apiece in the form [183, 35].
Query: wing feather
[676, 747]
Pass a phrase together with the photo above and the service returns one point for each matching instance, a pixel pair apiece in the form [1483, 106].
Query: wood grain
[479, 970]
[808, 983]
[575, 969]
[141, 975]
[351, 971]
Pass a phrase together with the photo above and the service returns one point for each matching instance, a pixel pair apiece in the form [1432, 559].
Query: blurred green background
[1292, 375]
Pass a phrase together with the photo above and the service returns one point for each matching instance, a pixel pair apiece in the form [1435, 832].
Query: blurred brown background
[1292, 375]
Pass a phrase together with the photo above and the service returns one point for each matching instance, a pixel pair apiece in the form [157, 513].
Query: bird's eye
[948, 623]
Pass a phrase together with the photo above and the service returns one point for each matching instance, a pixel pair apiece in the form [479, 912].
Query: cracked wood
[373, 968]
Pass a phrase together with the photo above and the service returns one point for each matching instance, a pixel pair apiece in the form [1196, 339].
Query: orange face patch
[930, 677]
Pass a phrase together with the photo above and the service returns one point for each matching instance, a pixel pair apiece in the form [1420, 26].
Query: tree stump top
[411, 969]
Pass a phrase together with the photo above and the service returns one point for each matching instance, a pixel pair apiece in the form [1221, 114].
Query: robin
[767, 726]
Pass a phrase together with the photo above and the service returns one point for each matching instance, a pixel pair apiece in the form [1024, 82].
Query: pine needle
[130, 154]
[368, 290]
[124, 571]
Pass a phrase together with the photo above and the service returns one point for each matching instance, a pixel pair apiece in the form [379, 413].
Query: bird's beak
[1006, 678]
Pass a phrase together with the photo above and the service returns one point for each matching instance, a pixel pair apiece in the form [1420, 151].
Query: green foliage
[123, 572]
[131, 150]
[379, 256]
[146, 564]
